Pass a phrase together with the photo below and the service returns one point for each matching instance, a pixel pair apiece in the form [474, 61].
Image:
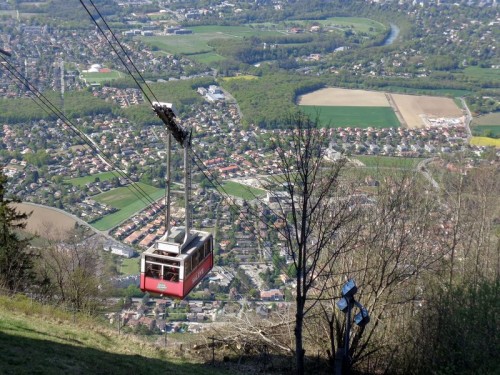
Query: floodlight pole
[345, 304]
[346, 366]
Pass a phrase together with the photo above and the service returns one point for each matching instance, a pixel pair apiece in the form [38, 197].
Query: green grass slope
[36, 339]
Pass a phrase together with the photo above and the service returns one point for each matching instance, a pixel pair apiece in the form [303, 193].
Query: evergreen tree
[15, 259]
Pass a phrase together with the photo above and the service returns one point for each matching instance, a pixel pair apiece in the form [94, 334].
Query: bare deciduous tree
[315, 208]
[394, 249]
[73, 270]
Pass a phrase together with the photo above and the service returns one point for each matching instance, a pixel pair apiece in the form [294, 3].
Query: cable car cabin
[175, 265]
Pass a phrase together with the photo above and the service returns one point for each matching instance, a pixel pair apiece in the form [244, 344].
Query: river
[392, 35]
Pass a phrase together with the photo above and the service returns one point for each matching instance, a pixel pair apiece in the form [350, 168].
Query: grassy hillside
[36, 339]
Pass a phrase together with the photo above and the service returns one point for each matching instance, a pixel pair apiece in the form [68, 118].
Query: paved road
[422, 167]
[468, 119]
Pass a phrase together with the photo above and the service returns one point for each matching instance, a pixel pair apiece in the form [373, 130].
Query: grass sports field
[241, 191]
[127, 203]
[360, 117]
[101, 77]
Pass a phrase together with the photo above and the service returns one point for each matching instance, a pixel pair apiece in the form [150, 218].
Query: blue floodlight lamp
[362, 318]
[349, 289]
[342, 304]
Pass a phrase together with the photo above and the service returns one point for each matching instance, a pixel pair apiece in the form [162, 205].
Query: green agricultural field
[388, 162]
[490, 119]
[101, 77]
[431, 92]
[242, 77]
[486, 130]
[356, 24]
[82, 181]
[180, 44]
[207, 58]
[487, 125]
[127, 203]
[361, 117]
[483, 74]
[241, 191]
[197, 42]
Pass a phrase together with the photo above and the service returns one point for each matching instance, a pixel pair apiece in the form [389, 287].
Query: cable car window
[170, 273]
[153, 270]
[152, 259]
[197, 257]
[207, 248]
[188, 267]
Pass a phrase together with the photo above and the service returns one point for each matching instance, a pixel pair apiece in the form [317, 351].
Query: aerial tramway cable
[116, 52]
[220, 189]
[136, 189]
[165, 119]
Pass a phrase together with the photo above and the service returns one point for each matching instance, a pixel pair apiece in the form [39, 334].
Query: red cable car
[178, 261]
[173, 266]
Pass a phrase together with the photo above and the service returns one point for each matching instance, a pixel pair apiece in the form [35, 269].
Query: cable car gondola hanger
[178, 261]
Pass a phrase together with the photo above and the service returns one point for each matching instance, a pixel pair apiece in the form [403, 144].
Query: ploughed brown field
[46, 222]
[410, 109]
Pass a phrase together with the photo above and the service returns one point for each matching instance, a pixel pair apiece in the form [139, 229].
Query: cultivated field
[489, 123]
[413, 107]
[489, 119]
[344, 97]
[359, 25]
[483, 74]
[351, 116]
[485, 141]
[409, 108]
[46, 222]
